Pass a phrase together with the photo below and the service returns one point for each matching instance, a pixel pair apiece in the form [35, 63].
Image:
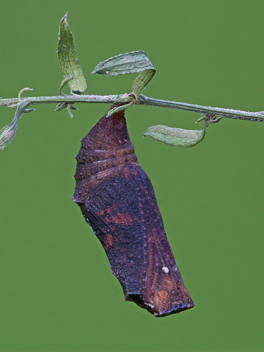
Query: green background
[56, 289]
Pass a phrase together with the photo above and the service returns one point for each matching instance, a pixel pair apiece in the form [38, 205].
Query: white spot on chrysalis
[165, 269]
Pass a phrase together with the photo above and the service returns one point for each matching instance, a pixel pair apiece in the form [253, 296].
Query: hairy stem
[220, 112]
[73, 98]
[142, 100]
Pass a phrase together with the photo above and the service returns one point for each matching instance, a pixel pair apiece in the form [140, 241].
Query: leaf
[119, 108]
[68, 58]
[177, 137]
[8, 132]
[132, 62]
[142, 80]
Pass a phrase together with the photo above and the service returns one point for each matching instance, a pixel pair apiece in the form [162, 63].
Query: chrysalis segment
[117, 199]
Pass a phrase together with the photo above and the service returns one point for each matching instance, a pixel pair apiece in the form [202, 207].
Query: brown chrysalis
[117, 199]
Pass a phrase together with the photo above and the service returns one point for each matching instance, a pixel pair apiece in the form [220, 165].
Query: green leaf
[68, 58]
[119, 108]
[177, 137]
[132, 62]
[8, 132]
[142, 80]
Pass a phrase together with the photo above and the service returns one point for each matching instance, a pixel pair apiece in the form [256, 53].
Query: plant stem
[220, 112]
[142, 100]
[73, 98]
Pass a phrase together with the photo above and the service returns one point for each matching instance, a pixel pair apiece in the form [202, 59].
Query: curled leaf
[177, 137]
[68, 58]
[142, 80]
[8, 132]
[132, 62]
[119, 108]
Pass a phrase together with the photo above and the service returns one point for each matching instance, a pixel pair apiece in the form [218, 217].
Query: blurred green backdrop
[57, 292]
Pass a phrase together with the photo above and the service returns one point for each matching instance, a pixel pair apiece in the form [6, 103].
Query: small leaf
[142, 80]
[61, 106]
[69, 108]
[8, 132]
[119, 108]
[68, 58]
[132, 62]
[177, 137]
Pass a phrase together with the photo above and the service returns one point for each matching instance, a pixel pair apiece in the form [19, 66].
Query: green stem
[73, 98]
[220, 112]
[142, 100]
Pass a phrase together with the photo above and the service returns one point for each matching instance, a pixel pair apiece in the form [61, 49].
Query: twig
[142, 100]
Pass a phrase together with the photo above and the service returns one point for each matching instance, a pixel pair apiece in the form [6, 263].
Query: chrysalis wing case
[117, 199]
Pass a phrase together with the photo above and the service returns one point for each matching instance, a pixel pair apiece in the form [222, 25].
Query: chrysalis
[117, 199]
